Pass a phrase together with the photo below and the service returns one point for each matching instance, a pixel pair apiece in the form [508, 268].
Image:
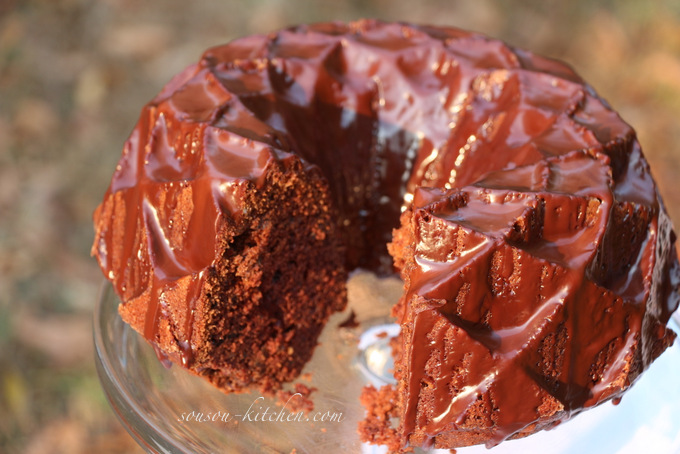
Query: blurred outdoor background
[73, 77]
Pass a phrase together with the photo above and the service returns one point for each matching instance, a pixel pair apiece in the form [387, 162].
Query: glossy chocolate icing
[534, 263]
[385, 109]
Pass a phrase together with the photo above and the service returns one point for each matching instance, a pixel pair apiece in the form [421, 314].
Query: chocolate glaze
[526, 269]
[552, 179]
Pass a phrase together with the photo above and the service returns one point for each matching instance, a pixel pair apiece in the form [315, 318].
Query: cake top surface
[380, 108]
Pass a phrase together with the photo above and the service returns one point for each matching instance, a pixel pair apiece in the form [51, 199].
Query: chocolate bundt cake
[538, 260]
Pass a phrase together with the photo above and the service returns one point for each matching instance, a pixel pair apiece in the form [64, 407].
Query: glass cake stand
[168, 410]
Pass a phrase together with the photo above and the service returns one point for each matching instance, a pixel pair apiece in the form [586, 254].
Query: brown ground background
[73, 76]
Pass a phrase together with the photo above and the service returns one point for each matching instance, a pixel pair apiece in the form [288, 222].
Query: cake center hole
[375, 353]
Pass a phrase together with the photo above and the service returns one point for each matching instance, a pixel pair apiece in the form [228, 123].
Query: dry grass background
[73, 76]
